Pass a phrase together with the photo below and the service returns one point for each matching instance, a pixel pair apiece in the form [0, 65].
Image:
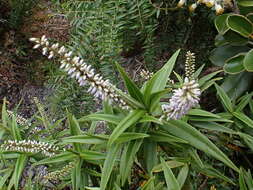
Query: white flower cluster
[77, 68]
[19, 119]
[145, 74]
[29, 146]
[60, 173]
[182, 100]
[217, 4]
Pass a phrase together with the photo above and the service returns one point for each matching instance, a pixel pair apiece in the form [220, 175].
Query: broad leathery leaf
[19, 166]
[235, 39]
[171, 181]
[66, 156]
[247, 62]
[128, 121]
[221, 24]
[213, 126]
[74, 130]
[132, 88]
[86, 139]
[236, 85]
[108, 165]
[159, 80]
[183, 173]
[170, 163]
[234, 65]
[115, 119]
[224, 98]
[244, 118]
[206, 78]
[250, 16]
[129, 136]
[245, 3]
[200, 112]
[240, 24]
[220, 54]
[185, 131]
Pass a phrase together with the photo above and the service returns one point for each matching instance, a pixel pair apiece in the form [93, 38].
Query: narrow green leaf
[183, 175]
[206, 78]
[244, 118]
[185, 131]
[129, 136]
[115, 119]
[57, 158]
[131, 86]
[200, 112]
[128, 121]
[245, 100]
[160, 78]
[171, 181]
[224, 98]
[19, 166]
[86, 139]
[74, 130]
[108, 165]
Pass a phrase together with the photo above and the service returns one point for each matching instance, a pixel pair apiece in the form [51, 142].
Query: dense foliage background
[54, 134]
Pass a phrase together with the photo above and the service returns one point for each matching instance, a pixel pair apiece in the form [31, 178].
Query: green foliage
[234, 48]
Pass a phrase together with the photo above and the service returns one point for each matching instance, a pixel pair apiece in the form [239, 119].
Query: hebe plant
[161, 143]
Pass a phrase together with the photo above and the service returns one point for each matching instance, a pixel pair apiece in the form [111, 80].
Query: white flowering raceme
[182, 100]
[19, 119]
[29, 146]
[81, 71]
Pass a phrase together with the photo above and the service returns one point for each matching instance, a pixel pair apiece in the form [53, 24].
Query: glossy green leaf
[244, 118]
[245, 100]
[66, 156]
[248, 61]
[240, 24]
[129, 136]
[115, 119]
[183, 173]
[234, 65]
[171, 163]
[221, 24]
[19, 166]
[199, 112]
[150, 154]
[160, 78]
[245, 3]
[213, 126]
[224, 98]
[74, 130]
[235, 39]
[128, 121]
[131, 86]
[250, 17]
[207, 78]
[219, 55]
[198, 140]
[242, 183]
[76, 175]
[165, 137]
[171, 181]
[4, 177]
[108, 165]
[85, 139]
[92, 155]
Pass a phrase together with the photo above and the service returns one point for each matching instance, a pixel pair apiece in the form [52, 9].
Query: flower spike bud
[209, 3]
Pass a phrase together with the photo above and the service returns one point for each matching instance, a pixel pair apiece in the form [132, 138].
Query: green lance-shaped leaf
[224, 98]
[185, 131]
[240, 24]
[108, 165]
[114, 119]
[171, 181]
[19, 166]
[181, 178]
[74, 130]
[234, 65]
[128, 121]
[160, 78]
[131, 86]
[244, 118]
[248, 61]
